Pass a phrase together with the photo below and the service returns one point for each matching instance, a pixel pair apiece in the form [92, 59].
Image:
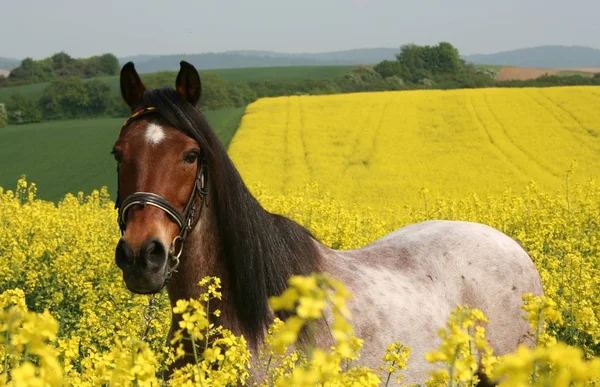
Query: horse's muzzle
[144, 271]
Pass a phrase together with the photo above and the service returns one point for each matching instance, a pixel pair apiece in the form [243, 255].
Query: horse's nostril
[123, 254]
[153, 254]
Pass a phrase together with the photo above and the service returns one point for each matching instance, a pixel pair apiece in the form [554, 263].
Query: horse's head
[161, 177]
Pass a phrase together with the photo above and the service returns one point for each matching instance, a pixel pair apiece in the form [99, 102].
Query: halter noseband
[185, 219]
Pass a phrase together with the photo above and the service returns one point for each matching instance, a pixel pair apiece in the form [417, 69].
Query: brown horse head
[160, 182]
[164, 153]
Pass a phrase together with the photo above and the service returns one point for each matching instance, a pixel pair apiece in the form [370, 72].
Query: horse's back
[406, 284]
[452, 249]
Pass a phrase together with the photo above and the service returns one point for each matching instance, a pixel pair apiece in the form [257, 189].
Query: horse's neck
[282, 249]
[198, 259]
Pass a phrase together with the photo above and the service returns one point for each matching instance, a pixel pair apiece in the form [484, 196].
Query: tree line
[441, 67]
[415, 67]
[60, 65]
[74, 97]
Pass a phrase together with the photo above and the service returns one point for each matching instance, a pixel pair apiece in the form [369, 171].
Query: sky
[39, 28]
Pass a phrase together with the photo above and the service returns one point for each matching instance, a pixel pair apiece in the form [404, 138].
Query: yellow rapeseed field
[375, 162]
[84, 326]
[382, 149]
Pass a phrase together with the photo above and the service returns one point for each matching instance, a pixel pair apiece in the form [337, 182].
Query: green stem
[26, 354]
[195, 353]
[135, 382]
[451, 371]
[311, 342]
[208, 326]
[390, 374]
[193, 340]
[267, 370]
[537, 336]
[7, 338]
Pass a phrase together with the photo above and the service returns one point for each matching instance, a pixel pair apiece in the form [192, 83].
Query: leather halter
[184, 219]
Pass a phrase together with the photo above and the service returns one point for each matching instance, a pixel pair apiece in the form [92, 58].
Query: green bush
[65, 98]
[61, 65]
[390, 68]
[22, 110]
[553, 80]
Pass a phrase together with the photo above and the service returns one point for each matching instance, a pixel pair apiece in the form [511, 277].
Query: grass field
[566, 73]
[29, 91]
[292, 73]
[490, 67]
[72, 156]
[380, 149]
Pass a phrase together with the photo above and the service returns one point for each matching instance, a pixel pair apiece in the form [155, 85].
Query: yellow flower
[86, 326]
[304, 285]
[310, 308]
[287, 300]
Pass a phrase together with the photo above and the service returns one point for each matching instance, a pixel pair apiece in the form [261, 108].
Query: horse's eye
[117, 155]
[191, 157]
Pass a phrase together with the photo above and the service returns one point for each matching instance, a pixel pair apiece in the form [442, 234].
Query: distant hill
[244, 59]
[9, 63]
[542, 56]
[356, 56]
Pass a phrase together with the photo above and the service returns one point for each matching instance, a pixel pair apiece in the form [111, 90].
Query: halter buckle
[173, 251]
[174, 255]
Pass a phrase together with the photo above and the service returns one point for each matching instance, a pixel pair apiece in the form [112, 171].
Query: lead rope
[149, 312]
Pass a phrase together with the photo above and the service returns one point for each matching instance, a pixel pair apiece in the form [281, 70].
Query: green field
[291, 73]
[566, 73]
[71, 156]
[490, 67]
[29, 91]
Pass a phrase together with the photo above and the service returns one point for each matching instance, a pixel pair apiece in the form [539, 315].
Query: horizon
[295, 52]
[150, 27]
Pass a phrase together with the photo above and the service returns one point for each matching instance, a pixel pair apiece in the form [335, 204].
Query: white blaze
[154, 134]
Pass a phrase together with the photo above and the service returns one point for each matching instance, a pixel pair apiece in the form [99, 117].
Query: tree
[60, 65]
[389, 68]
[412, 57]
[95, 66]
[98, 97]
[65, 98]
[117, 108]
[22, 110]
[160, 79]
[109, 64]
[444, 59]
[215, 94]
[3, 120]
[32, 71]
[63, 65]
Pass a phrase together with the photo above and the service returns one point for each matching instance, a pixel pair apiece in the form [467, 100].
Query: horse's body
[404, 285]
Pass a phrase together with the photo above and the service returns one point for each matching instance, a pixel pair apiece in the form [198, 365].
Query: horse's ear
[132, 88]
[188, 83]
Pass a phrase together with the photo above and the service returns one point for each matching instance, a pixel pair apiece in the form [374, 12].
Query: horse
[186, 213]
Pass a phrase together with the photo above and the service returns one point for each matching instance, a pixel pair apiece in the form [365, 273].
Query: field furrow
[380, 149]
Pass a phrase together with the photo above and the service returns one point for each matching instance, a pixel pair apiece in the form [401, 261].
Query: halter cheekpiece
[184, 219]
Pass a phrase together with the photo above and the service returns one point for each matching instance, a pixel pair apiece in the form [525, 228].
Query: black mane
[259, 250]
